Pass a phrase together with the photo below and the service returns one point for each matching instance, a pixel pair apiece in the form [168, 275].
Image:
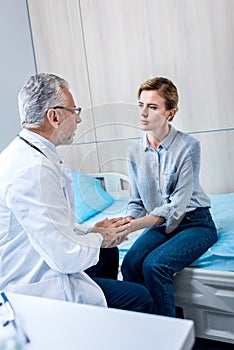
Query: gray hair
[41, 92]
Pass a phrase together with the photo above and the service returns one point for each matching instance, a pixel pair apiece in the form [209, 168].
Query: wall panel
[58, 41]
[179, 39]
[217, 150]
[107, 48]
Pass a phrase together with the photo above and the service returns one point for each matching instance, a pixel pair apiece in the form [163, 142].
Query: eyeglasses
[77, 110]
[7, 316]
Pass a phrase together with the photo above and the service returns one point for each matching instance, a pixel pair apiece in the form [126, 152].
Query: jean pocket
[199, 215]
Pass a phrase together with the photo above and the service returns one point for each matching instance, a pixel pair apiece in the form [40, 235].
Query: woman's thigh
[184, 246]
[195, 234]
[149, 240]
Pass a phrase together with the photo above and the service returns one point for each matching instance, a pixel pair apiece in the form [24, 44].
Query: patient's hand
[114, 231]
[111, 223]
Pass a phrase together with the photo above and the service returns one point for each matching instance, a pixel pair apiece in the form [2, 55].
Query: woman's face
[152, 109]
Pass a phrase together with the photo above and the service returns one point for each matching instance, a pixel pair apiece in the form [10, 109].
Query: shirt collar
[45, 145]
[165, 143]
[169, 138]
[45, 142]
[145, 143]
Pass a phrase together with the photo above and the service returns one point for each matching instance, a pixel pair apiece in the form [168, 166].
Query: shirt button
[63, 181]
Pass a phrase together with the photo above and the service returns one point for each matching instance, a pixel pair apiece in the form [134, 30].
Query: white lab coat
[42, 251]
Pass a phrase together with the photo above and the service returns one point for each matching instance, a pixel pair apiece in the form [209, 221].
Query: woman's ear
[171, 114]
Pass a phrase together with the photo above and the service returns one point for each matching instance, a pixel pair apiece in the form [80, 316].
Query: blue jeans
[156, 256]
[118, 294]
[125, 295]
[107, 266]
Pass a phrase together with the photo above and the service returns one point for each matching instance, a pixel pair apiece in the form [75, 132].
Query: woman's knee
[130, 261]
[152, 267]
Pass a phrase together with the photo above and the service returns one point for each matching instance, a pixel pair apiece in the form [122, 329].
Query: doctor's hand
[114, 231]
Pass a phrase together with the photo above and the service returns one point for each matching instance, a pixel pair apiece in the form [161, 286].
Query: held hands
[114, 231]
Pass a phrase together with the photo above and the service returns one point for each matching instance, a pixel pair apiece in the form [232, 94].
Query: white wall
[16, 64]
[106, 48]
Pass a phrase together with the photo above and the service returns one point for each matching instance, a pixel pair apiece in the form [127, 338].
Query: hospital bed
[204, 291]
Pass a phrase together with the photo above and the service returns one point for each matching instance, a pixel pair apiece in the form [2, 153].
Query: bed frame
[207, 298]
[204, 296]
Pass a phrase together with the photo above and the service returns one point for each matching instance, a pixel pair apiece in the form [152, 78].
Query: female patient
[164, 177]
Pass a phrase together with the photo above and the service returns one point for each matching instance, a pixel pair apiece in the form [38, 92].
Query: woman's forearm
[146, 221]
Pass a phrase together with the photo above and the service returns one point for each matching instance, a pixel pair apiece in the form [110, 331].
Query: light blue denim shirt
[165, 182]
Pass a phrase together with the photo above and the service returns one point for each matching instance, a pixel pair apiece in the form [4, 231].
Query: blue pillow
[90, 197]
[220, 256]
[222, 211]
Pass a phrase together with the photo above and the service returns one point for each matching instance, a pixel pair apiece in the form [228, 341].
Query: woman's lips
[144, 122]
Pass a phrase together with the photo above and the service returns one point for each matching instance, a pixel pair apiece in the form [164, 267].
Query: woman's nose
[144, 112]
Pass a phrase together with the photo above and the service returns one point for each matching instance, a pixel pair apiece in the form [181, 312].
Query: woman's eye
[153, 107]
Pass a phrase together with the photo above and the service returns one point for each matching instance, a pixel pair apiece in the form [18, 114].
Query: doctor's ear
[55, 119]
[52, 117]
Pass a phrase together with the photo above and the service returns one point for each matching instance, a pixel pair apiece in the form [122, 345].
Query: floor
[204, 344]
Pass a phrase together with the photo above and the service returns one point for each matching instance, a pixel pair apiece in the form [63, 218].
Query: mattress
[218, 257]
[205, 290]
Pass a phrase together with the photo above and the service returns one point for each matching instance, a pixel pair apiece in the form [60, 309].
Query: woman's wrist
[146, 221]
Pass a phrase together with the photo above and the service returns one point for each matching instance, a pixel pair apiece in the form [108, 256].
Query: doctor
[42, 252]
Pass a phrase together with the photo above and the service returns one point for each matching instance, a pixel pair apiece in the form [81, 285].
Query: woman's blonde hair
[165, 88]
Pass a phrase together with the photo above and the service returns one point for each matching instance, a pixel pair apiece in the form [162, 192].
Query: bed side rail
[114, 183]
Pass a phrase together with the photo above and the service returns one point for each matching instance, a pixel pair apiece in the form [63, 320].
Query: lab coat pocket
[52, 288]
